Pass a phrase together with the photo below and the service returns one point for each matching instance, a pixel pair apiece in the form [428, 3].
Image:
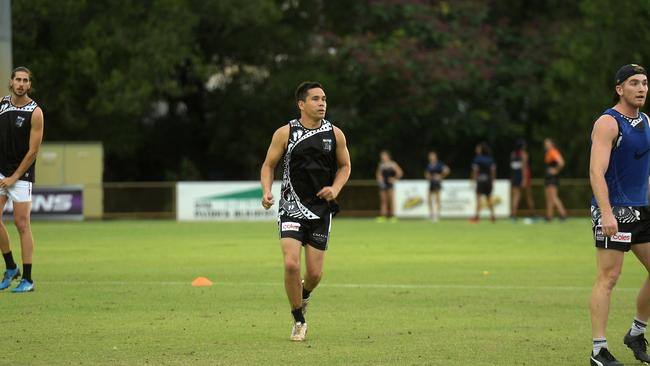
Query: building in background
[6, 59]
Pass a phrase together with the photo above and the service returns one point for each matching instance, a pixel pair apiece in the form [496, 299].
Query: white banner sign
[213, 201]
[457, 199]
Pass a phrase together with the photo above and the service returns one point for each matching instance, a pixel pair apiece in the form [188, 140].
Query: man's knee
[314, 275]
[22, 223]
[608, 279]
[292, 265]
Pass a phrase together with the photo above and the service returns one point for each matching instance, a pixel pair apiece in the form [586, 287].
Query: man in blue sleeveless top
[619, 170]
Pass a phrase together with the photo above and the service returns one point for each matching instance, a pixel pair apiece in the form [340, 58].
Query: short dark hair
[23, 69]
[303, 89]
[485, 149]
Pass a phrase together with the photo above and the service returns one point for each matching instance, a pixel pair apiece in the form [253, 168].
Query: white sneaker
[298, 332]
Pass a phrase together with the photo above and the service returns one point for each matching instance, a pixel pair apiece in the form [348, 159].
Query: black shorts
[313, 232]
[435, 186]
[517, 180]
[484, 188]
[551, 180]
[633, 227]
[385, 186]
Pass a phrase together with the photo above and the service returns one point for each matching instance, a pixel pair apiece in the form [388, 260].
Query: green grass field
[410, 293]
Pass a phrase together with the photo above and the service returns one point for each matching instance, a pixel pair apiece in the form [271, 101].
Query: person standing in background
[554, 164]
[435, 172]
[388, 172]
[520, 178]
[484, 172]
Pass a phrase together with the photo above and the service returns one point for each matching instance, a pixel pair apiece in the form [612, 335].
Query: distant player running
[484, 172]
[435, 172]
[316, 167]
[21, 133]
[619, 169]
[388, 172]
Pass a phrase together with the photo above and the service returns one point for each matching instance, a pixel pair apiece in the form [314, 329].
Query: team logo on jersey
[327, 144]
[19, 121]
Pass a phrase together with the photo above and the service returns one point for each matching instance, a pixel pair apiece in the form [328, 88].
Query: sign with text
[215, 201]
[54, 203]
[457, 199]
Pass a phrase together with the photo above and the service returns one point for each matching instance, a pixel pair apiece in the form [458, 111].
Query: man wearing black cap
[619, 169]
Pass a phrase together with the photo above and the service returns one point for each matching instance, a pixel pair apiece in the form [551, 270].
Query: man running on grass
[316, 167]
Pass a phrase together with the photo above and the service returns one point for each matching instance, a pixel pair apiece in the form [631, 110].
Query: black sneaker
[603, 358]
[638, 345]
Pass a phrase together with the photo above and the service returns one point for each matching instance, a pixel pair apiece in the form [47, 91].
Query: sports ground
[408, 293]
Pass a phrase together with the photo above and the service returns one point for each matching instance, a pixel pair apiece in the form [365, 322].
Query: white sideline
[340, 285]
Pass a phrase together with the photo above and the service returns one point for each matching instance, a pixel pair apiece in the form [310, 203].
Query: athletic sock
[9, 260]
[27, 272]
[297, 315]
[638, 327]
[597, 344]
[305, 293]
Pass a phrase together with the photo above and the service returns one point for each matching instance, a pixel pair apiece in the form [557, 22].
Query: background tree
[186, 90]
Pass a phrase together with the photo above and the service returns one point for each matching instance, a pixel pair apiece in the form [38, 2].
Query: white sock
[638, 327]
[597, 344]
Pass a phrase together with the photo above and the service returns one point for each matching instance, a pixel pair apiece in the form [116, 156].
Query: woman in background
[388, 172]
[435, 172]
[554, 164]
[484, 172]
[520, 178]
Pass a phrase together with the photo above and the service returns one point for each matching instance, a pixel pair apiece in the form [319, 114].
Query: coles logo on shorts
[290, 226]
[622, 237]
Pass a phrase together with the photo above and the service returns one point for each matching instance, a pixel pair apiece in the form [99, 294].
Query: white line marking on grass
[341, 285]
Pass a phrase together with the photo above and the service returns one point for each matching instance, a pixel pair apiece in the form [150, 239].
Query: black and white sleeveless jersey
[15, 128]
[309, 165]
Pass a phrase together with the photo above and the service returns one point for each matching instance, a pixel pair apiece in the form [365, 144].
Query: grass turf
[409, 293]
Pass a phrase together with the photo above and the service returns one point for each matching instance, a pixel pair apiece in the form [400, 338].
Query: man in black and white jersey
[316, 167]
[21, 133]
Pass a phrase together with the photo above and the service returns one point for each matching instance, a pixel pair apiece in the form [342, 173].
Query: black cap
[628, 70]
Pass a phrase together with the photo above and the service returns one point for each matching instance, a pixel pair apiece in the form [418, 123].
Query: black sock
[27, 272]
[297, 315]
[9, 260]
[305, 293]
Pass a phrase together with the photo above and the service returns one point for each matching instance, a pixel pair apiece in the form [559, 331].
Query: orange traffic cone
[201, 281]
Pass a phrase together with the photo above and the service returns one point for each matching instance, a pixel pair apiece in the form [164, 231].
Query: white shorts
[21, 191]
